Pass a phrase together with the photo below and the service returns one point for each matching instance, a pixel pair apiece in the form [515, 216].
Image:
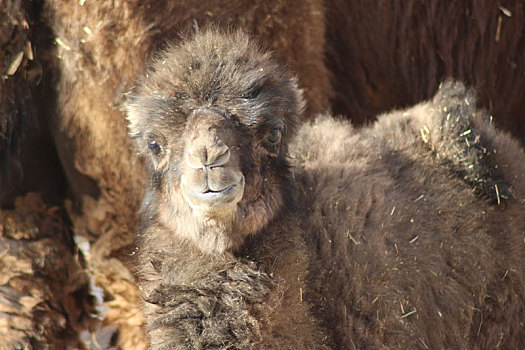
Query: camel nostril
[196, 158]
[219, 156]
[212, 156]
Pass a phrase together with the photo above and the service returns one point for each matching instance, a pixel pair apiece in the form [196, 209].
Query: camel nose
[208, 156]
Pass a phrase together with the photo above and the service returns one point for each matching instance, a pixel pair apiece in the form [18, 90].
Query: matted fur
[403, 234]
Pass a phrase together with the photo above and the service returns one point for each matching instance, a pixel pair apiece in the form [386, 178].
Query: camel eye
[154, 147]
[252, 93]
[273, 137]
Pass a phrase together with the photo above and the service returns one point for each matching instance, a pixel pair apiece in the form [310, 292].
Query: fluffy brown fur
[101, 47]
[216, 100]
[405, 234]
[416, 244]
[387, 54]
[44, 289]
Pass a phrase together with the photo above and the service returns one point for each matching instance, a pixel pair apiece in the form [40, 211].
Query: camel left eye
[253, 93]
[273, 137]
[154, 147]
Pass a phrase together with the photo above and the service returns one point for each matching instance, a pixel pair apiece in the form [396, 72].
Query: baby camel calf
[258, 233]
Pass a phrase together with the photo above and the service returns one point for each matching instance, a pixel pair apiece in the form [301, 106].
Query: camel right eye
[154, 147]
[273, 137]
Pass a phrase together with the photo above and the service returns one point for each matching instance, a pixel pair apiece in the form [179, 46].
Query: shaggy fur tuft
[452, 133]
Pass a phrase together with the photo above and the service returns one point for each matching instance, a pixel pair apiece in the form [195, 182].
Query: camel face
[212, 182]
[214, 118]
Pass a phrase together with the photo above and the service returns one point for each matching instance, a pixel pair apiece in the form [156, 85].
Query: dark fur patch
[392, 54]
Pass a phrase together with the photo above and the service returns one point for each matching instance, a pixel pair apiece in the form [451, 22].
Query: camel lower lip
[211, 200]
[213, 194]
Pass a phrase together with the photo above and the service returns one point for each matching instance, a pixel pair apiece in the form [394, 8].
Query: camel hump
[464, 137]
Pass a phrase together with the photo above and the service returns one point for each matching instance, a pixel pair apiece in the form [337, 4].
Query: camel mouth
[211, 201]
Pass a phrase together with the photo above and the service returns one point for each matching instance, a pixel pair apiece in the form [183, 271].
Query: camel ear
[297, 104]
[147, 112]
[134, 116]
[299, 97]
